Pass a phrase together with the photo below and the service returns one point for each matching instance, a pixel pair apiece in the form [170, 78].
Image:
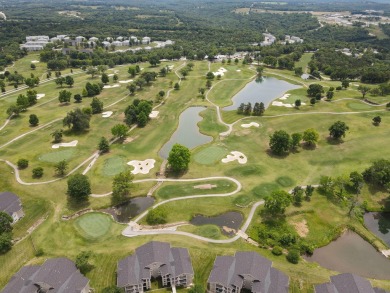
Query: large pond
[228, 221]
[187, 133]
[352, 254]
[124, 212]
[379, 224]
[265, 89]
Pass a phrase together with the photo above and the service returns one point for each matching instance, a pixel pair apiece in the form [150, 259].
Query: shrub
[293, 256]
[37, 172]
[22, 163]
[277, 250]
[39, 252]
[157, 216]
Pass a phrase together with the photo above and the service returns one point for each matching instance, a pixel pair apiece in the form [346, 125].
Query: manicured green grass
[171, 190]
[264, 189]
[57, 156]
[304, 61]
[210, 155]
[113, 165]
[93, 225]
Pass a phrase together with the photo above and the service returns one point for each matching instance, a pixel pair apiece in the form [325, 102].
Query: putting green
[93, 225]
[55, 157]
[210, 155]
[113, 166]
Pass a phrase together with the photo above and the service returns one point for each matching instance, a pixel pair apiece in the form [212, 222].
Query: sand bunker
[281, 104]
[125, 81]
[220, 72]
[255, 124]
[111, 86]
[240, 157]
[284, 97]
[302, 228]
[40, 96]
[154, 114]
[142, 167]
[170, 66]
[205, 186]
[111, 74]
[35, 61]
[107, 114]
[65, 144]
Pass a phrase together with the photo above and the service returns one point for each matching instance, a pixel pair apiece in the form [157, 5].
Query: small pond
[264, 90]
[124, 212]
[352, 254]
[231, 220]
[187, 132]
[379, 224]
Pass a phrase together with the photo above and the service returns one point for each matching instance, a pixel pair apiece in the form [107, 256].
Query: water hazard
[124, 212]
[379, 224]
[229, 220]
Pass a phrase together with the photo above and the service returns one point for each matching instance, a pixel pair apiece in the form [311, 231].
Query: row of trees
[246, 109]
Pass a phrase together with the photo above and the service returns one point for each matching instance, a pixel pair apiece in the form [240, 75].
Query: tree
[77, 120]
[22, 164]
[377, 120]
[378, 173]
[115, 78]
[64, 96]
[33, 66]
[315, 89]
[157, 216]
[357, 181]
[96, 106]
[69, 80]
[132, 71]
[121, 187]
[276, 203]
[82, 262]
[30, 82]
[297, 103]
[210, 75]
[33, 120]
[313, 101]
[79, 187]
[5, 242]
[295, 140]
[57, 135]
[22, 102]
[309, 192]
[279, 142]
[37, 172]
[297, 195]
[293, 256]
[179, 158]
[259, 70]
[119, 131]
[208, 84]
[184, 72]
[345, 83]
[363, 89]
[92, 71]
[78, 98]
[329, 95]
[310, 136]
[176, 86]
[5, 223]
[140, 82]
[60, 81]
[338, 130]
[132, 88]
[142, 119]
[104, 146]
[298, 71]
[60, 168]
[105, 79]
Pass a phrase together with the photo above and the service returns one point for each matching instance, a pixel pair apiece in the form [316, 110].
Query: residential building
[62, 37]
[268, 40]
[117, 43]
[126, 43]
[155, 260]
[347, 283]
[106, 44]
[58, 275]
[145, 40]
[37, 38]
[79, 39]
[246, 270]
[93, 39]
[10, 204]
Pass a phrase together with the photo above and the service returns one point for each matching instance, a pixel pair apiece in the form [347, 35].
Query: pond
[379, 224]
[124, 212]
[187, 132]
[264, 90]
[352, 254]
[225, 221]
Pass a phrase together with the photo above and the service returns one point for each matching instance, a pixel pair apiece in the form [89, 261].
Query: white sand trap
[221, 72]
[205, 186]
[107, 114]
[40, 96]
[111, 74]
[111, 86]
[35, 61]
[65, 144]
[125, 81]
[255, 124]
[284, 97]
[171, 66]
[153, 114]
[142, 167]
[238, 70]
[240, 157]
[281, 104]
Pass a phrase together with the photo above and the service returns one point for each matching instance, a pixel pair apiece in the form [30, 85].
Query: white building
[117, 43]
[126, 43]
[61, 37]
[37, 38]
[106, 44]
[145, 40]
[93, 39]
[268, 40]
[79, 39]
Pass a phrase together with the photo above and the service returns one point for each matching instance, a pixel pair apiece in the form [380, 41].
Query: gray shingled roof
[9, 203]
[347, 283]
[174, 261]
[59, 275]
[229, 271]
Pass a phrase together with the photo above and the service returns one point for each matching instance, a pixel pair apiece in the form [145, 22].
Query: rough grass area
[247, 170]
[55, 157]
[93, 225]
[113, 165]
[210, 155]
[264, 189]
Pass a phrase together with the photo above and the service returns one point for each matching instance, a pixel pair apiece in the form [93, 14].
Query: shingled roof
[171, 260]
[56, 275]
[230, 272]
[9, 203]
[347, 283]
